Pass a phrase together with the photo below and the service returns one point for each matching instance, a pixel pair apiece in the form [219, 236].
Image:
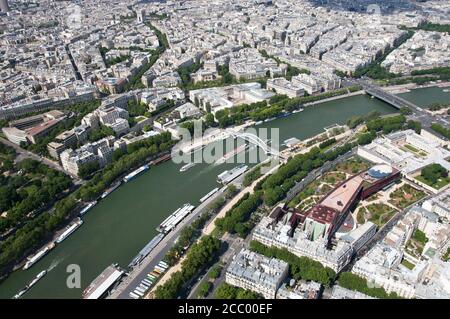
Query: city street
[23, 154]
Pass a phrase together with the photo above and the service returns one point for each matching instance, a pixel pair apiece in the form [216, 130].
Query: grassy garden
[323, 185]
[415, 245]
[405, 196]
[353, 166]
[408, 264]
[378, 213]
[434, 175]
[410, 148]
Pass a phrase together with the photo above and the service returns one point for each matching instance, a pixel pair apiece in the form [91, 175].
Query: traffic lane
[235, 244]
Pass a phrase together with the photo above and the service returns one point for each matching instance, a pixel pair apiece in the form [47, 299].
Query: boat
[21, 293]
[111, 189]
[209, 194]
[186, 167]
[282, 115]
[446, 90]
[31, 284]
[37, 278]
[176, 217]
[259, 122]
[229, 155]
[161, 159]
[297, 111]
[69, 230]
[88, 207]
[135, 173]
[270, 119]
[34, 259]
[229, 175]
[103, 283]
[291, 141]
[146, 250]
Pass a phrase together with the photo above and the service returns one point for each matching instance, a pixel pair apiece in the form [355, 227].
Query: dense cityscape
[194, 149]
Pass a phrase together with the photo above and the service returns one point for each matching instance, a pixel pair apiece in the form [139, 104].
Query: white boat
[270, 119]
[88, 207]
[209, 194]
[186, 167]
[21, 293]
[38, 277]
[69, 230]
[175, 218]
[229, 175]
[132, 175]
[299, 110]
[110, 190]
[446, 90]
[100, 286]
[34, 259]
[31, 284]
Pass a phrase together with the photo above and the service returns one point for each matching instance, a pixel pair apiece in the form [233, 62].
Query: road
[23, 154]
[418, 114]
[235, 244]
[140, 272]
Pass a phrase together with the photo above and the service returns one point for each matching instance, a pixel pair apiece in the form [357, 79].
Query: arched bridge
[256, 140]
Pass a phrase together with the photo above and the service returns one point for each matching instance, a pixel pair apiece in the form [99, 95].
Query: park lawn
[405, 196]
[380, 214]
[372, 198]
[307, 203]
[309, 191]
[411, 148]
[360, 216]
[416, 244]
[408, 264]
[333, 178]
[352, 166]
[325, 189]
[438, 185]
[446, 255]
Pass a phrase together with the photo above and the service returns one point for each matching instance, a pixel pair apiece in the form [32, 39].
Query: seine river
[119, 226]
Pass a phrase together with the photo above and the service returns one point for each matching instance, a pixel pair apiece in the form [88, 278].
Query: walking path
[22, 154]
[338, 97]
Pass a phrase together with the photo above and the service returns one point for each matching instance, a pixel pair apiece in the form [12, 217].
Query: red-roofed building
[327, 216]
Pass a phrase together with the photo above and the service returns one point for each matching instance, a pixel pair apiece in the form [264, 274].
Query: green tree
[204, 288]
[405, 111]
[432, 173]
[209, 120]
[354, 282]
[87, 169]
[215, 271]
[414, 125]
[147, 128]
[366, 138]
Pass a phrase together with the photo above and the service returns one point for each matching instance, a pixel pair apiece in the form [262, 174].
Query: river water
[119, 226]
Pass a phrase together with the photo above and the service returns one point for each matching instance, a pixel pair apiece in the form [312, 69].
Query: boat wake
[55, 263]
